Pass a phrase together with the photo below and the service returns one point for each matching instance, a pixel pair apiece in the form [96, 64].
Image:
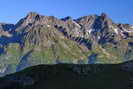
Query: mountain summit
[38, 39]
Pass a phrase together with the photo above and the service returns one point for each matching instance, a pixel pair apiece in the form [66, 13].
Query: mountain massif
[38, 39]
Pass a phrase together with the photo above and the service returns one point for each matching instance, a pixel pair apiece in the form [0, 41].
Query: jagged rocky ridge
[38, 39]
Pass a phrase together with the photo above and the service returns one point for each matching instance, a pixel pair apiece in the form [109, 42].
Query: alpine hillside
[38, 39]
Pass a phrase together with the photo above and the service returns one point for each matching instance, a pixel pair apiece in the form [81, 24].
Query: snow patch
[5, 33]
[90, 31]
[77, 24]
[2, 70]
[9, 35]
[99, 37]
[48, 25]
[116, 30]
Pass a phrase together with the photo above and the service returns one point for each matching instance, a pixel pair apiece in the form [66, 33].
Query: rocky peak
[34, 19]
[37, 19]
[32, 16]
[31, 19]
[102, 21]
[104, 16]
[86, 20]
[67, 18]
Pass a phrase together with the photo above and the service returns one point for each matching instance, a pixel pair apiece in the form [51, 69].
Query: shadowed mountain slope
[69, 76]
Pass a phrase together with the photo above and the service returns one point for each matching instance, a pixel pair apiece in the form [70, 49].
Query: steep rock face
[88, 39]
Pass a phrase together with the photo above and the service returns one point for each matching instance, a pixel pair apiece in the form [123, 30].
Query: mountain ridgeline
[38, 39]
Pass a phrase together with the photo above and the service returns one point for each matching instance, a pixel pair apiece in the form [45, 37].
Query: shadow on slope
[70, 76]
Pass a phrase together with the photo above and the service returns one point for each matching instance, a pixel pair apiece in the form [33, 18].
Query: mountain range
[37, 39]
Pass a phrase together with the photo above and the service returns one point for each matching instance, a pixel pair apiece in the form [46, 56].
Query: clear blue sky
[119, 10]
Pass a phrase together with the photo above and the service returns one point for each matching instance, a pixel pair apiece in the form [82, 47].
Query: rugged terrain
[38, 39]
